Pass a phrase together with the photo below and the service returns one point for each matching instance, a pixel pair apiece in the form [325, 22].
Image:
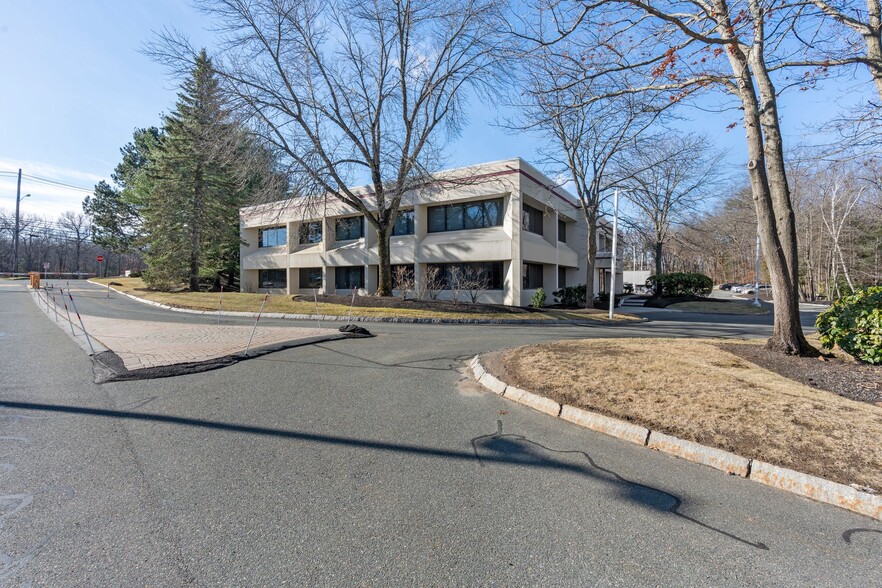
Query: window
[311, 233]
[605, 241]
[489, 272]
[531, 219]
[310, 277]
[347, 229]
[467, 215]
[532, 276]
[274, 278]
[397, 270]
[349, 277]
[273, 236]
[561, 231]
[561, 277]
[404, 223]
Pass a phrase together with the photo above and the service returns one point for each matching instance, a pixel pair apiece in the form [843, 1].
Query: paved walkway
[146, 344]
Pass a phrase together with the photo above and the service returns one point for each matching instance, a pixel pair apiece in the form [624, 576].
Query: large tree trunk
[591, 262]
[384, 286]
[196, 234]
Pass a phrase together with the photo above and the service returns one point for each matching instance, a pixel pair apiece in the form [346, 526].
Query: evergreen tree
[191, 212]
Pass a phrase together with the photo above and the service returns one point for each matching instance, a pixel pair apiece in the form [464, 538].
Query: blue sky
[75, 86]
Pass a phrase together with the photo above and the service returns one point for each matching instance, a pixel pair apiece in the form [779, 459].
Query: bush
[538, 299]
[681, 284]
[570, 296]
[855, 324]
[601, 301]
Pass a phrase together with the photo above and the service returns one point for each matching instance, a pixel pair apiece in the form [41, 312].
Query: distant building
[504, 220]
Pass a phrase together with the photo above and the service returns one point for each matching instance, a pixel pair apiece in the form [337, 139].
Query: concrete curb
[812, 487]
[364, 319]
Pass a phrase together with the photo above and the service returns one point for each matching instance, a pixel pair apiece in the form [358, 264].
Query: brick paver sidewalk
[146, 344]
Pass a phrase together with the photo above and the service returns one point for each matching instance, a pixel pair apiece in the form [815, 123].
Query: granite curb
[362, 319]
[805, 485]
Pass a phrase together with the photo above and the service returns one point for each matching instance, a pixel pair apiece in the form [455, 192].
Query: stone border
[365, 319]
[813, 487]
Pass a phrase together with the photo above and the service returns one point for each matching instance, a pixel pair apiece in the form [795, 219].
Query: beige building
[503, 221]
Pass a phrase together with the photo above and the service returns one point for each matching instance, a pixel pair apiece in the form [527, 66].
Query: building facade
[503, 224]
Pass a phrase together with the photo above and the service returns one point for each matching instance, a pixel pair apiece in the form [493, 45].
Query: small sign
[45, 265]
[100, 258]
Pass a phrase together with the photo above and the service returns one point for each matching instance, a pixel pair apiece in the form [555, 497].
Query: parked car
[726, 286]
[737, 288]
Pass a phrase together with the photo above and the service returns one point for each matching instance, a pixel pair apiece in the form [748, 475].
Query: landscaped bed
[367, 306]
[704, 390]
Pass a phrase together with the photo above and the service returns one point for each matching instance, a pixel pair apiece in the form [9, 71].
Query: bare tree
[403, 280]
[356, 91]
[673, 177]
[679, 49]
[79, 228]
[431, 284]
[474, 282]
[589, 136]
[455, 282]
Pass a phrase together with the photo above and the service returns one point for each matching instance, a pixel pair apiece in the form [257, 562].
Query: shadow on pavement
[496, 448]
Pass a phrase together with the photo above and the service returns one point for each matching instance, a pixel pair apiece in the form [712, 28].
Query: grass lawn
[693, 389]
[720, 307]
[242, 302]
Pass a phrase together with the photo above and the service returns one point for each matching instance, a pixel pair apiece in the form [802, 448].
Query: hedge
[855, 324]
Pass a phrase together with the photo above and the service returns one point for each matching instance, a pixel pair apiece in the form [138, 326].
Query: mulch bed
[464, 306]
[850, 379]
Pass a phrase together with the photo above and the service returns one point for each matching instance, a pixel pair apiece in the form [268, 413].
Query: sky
[75, 85]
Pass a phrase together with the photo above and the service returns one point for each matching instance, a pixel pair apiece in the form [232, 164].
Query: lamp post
[612, 270]
[18, 199]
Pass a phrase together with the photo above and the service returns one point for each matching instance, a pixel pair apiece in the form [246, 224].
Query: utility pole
[15, 246]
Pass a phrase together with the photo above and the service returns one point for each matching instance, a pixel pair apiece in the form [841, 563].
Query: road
[369, 462]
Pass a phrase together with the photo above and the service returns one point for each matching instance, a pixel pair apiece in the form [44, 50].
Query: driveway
[369, 462]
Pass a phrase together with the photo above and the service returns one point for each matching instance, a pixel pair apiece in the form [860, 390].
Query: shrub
[570, 295]
[538, 299]
[855, 324]
[681, 284]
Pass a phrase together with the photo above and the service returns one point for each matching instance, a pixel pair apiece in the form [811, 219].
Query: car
[738, 288]
[726, 286]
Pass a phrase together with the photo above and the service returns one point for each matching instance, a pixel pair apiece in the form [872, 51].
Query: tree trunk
[591, 261]
[658, 268]
[196, 234]
[384, 286]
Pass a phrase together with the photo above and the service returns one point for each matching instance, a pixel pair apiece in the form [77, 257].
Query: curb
[366, 319]
[805, 485]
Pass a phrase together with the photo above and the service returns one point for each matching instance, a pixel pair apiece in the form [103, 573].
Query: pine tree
[191, 213]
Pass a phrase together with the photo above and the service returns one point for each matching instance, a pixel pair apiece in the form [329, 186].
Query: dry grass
[243, 302]
[696, 391]
[721, 307]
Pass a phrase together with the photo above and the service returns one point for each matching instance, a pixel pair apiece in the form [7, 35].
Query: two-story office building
[504, 221]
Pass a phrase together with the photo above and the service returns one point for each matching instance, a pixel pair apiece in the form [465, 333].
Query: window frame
[307, 284]
[529, 222]
[275, 286]
[348, 269]
[276, 229]
[527, 283]
[495, 271]
[305, 233]
[455, 215]
[349, 221]
[409, 218]
[561, 231]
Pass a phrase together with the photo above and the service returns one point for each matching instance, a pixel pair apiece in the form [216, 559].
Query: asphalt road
[369, 462]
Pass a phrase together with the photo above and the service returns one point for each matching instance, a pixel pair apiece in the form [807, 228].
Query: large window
[561, 277]
[531, 219]
[272, 278]
[311, 233]
[273, 236]
[349, 277]
[347, 229]
[467, 215]
[532, 276]
[605, 241]
[561, 231]
[488, 275]
[403, 223]
[310, 277]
